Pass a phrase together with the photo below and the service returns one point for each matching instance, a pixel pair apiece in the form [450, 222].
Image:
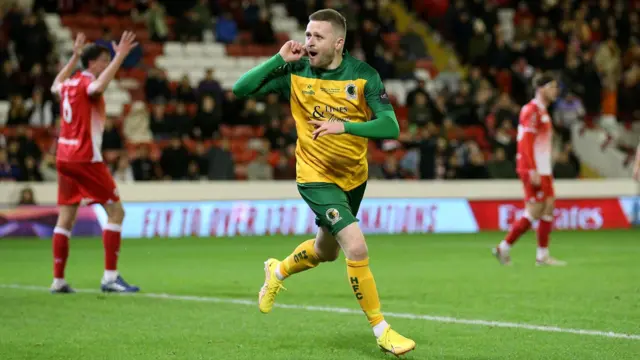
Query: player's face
[551, 91]
[101, 63]
[321, 43]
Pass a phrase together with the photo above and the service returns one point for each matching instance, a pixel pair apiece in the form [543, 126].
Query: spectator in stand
[283, 170]
[231, 108]
[174, 160]
[156, 20]
[39, 79]
[8, 171]
[23, 145]
[111, 139]
[18, 112]
[48, 168]
[144, 169]
[263, 33]
[568, 111]
[500, 167]
[226, 29]
[180, 122]
[563, 168]
[123, 171]
[184, 92]
[193, 171]
[273, 134]
[30, 171]
[390, 168]
[136, 127]
[420, 112]
[259, 168]
[250, 13]
[221, 165]
[385, 65]
[156, 87]
[200, 158]
[40, 111]
[31, 39]
[413, 45]
[159, 126]
[209, 86]
[188, 27]
[6, 85]
[203, 14]
[475, 167]
[26, 197]
[272, 108]
[250, 115]
[208, 119]
[375, 170]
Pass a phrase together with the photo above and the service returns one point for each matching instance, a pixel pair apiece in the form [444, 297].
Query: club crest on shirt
[545, 118]
[352, 91]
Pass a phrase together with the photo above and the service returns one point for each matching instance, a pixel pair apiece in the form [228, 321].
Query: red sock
[518, 229]
[544, 229]
[60, 246]
[111, 242]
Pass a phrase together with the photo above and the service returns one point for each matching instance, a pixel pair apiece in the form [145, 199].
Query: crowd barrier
[164, 209]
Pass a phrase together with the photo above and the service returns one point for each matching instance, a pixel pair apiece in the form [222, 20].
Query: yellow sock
[304, 257]
[364, 287]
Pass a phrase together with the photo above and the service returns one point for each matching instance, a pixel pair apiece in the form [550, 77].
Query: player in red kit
[533, 165]
[83, 177]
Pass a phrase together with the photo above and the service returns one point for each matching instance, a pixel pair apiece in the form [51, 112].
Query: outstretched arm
[259, 80]
[67, 70]
[270, 76]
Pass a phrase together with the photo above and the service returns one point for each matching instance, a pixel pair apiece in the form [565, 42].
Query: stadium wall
[178, 209]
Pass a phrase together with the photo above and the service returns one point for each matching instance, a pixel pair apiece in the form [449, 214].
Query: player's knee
[116, 214]
[327, 255]
[357, 252]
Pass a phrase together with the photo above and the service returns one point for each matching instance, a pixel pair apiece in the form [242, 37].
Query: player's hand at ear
[127, 42]
[292, 51]
[326, 128]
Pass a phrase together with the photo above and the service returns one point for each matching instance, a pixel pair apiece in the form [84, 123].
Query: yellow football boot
[271, 287]
[394, 343]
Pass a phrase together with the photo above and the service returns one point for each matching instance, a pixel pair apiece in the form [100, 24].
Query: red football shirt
[534, 139]
[83, 116]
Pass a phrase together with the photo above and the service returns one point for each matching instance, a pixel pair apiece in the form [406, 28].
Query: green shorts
[334, 207]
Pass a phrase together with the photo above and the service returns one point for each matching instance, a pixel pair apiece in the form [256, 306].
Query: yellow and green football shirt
[352, 93]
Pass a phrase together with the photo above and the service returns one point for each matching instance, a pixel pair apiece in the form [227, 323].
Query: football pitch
[447, 292]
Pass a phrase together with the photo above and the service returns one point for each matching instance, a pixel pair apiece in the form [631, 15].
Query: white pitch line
[327, 309]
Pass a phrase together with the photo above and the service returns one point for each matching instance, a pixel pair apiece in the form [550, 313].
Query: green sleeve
[272, 76]
[385, 125]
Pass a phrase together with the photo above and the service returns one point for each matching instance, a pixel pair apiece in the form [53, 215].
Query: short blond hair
[336, 20]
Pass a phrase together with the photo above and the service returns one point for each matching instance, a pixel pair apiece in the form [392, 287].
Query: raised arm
[68, 68]
[270, 76]
[122, 49]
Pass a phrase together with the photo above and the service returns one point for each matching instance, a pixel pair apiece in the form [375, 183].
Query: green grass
[444, 275]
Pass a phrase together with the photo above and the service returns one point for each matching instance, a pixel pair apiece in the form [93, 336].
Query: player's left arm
[67, 70]
[385, 126]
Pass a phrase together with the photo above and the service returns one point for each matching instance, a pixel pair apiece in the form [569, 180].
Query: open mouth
[312, 53]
